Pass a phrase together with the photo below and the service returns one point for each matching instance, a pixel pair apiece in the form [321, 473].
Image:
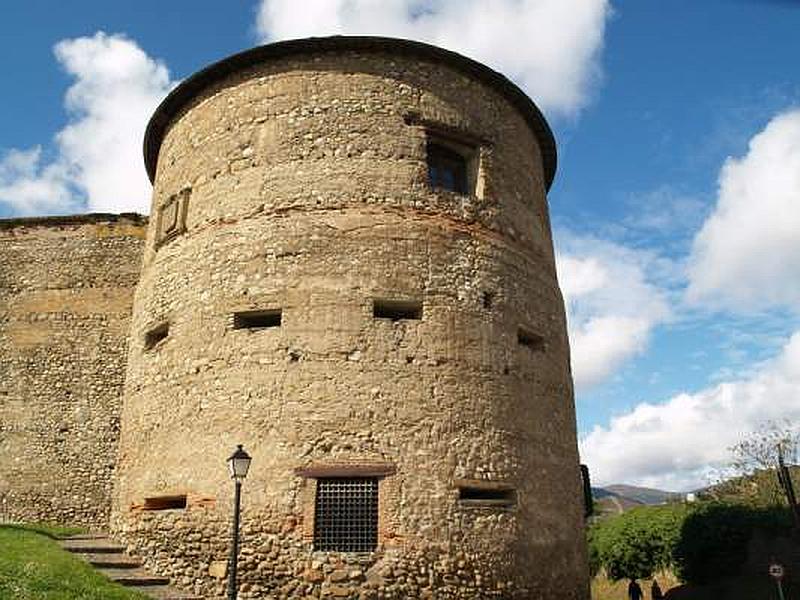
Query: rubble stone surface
[300, 185]
[66, 289]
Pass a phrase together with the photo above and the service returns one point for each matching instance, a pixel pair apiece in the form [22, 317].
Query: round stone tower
[349, 270]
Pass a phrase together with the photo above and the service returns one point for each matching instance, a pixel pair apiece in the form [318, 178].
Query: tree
[714, 538]
[760, 449]
[637, 543]
[755, 459]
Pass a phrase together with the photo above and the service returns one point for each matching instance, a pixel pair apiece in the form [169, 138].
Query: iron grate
[346, 514]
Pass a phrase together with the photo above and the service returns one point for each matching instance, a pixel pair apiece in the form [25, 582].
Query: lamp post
[238, 463]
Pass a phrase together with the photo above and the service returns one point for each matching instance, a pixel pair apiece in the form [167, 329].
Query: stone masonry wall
[66, 288]
[300, 185]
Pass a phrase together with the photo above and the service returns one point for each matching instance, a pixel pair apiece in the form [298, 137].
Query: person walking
[655, 591]
[634, 590]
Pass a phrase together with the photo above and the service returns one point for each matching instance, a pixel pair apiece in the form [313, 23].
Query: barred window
[346, 514]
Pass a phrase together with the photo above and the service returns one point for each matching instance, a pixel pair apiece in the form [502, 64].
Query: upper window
[346, 514]
[448, 169]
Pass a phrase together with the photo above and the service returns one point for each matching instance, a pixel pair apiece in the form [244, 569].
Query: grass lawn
[745, 587]
[34, 567]
[605, 589]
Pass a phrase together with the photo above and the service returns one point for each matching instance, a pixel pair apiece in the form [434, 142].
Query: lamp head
[239, 463]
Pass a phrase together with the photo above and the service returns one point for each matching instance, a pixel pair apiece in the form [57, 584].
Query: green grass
[34, 567]
[605, 589]
[48, 529]
[743, 587]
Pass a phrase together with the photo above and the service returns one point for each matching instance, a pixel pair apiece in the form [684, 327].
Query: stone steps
[88, 536]
[161, 592]
[92, 546]
[110, 559]
[133, 577]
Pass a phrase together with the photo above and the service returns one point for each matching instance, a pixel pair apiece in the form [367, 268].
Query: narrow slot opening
[397, 310]
[257, 319]
[155, 335]
[530, 340]
[487, 300]
[165, 502]
[487, 495]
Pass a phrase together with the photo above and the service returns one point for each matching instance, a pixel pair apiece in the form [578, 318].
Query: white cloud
[747, 254]
[31, 188]
[98, 163]
[677, 444]
[549, 47]
[663, 211]
[612, 303]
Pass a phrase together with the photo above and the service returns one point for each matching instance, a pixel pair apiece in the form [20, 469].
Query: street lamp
[238, 463]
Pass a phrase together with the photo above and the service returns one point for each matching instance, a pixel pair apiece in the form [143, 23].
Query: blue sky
[676, 207]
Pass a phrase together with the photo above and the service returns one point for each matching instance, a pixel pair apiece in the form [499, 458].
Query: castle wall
[66, 289]
[300, 185]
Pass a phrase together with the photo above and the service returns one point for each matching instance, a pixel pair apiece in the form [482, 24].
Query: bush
[595, 561]
[637, 543]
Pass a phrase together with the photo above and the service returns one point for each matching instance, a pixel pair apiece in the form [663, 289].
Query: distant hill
[758, 488]
[599, 493]
[643, 495]
[617, 498]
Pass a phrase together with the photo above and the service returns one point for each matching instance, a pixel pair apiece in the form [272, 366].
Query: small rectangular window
[530, 340]
[346, 514]
[487, 494]
[257, 319]
[155, 335]
[397, 310]
[453, 161]
[165, 502]
[447, 168]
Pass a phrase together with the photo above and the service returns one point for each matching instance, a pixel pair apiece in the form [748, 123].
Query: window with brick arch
[346, 514]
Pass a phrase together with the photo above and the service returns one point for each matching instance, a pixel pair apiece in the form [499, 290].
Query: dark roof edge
[57, 220]
[191, 87]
